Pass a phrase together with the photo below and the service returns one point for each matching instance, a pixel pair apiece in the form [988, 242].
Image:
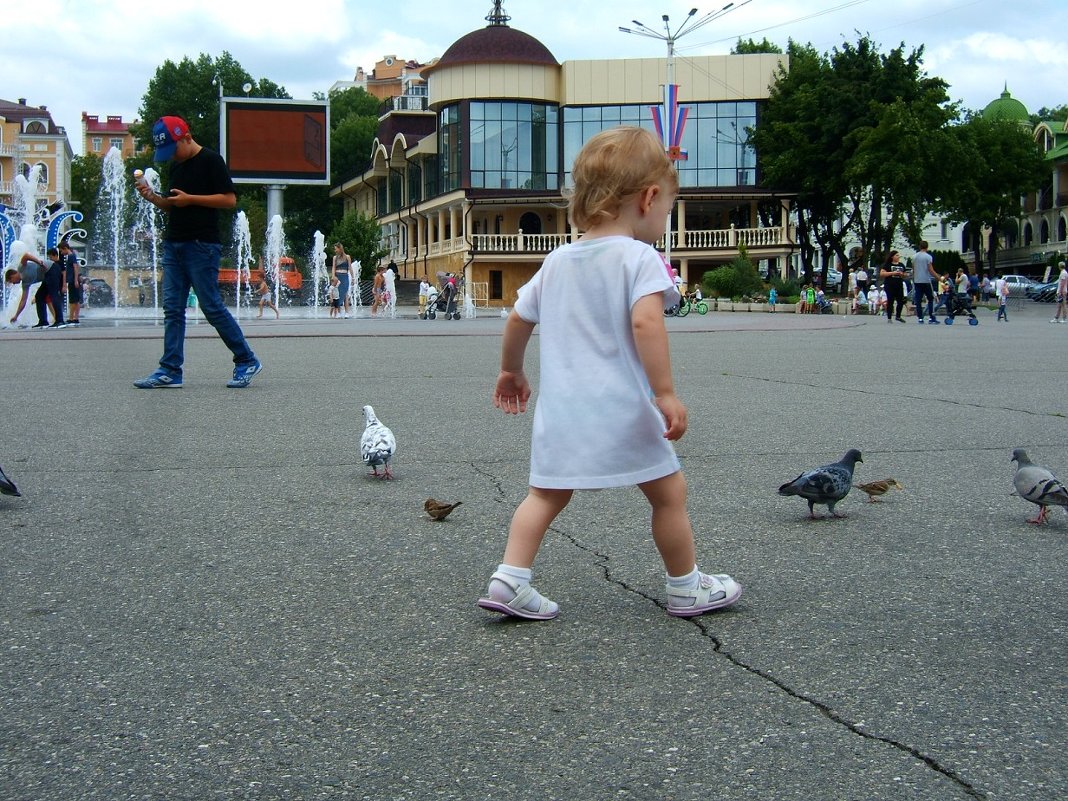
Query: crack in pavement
[717, 646]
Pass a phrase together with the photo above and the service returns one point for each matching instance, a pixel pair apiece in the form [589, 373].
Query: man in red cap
[199, 185]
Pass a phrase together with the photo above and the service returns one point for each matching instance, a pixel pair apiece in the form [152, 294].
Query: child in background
[1001, 289]
[773, 298]
[333, 297]
[604, 417]
[265, 299]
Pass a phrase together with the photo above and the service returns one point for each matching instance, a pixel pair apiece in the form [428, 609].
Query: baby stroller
[824, 305]
[445, 300]
[960, 304]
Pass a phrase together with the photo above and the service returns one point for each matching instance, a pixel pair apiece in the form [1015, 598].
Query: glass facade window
[449, 147]
[514, 145]
[714, 139]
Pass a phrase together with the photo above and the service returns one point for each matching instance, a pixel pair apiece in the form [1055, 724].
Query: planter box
[783, 308]
[725, 305]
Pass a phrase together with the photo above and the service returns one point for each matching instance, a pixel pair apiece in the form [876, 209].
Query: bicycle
[688, 304]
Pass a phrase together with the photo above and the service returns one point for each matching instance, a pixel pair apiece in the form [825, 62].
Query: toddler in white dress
[607, 410]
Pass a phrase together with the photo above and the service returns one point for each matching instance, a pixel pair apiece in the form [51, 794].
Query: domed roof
[1008, 108]
[495, 44]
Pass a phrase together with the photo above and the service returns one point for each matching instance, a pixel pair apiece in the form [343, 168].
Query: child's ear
[648, 196]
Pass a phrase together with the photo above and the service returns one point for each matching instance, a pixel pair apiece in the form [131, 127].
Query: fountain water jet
[273, 253]
[243, 260]
[318, 261]
[113, 194]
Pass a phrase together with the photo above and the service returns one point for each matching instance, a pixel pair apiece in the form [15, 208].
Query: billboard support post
[275, 201]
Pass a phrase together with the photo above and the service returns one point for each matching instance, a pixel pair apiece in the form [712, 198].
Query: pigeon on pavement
[1038, 485]
[825, 485]
[377, 445]
[439, 510]
[7, 486]
[877, 488]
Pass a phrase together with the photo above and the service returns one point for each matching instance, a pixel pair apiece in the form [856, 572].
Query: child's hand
[674, 415]
[512, 392]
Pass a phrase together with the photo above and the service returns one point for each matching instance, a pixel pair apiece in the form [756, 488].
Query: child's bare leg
[672, 531]
[510, 591]
[690, 592]
[530, 521]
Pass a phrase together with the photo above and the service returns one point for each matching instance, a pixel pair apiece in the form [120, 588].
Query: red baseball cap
[165, 135]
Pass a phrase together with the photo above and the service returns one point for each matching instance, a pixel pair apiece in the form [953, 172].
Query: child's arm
[650, 337]
[513, 390]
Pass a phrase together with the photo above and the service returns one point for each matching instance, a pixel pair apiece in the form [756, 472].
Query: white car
[1018, 284]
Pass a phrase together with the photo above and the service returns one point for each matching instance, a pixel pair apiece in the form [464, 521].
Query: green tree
[752, 46]
[362, 239]
[996, 161]
[860, 137]
[350, 146]
[86, 175]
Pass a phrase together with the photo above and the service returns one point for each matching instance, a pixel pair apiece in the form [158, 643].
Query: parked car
[1043, 293]
[98, 293]
[1018, 284]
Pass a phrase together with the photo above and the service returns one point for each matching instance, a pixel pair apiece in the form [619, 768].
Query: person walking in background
[265, 299]
[200, 185]
[341, 269]
[862, 278]
[1062, 295]
[1001, 291]
[923, 274]
[73, 277]
[893, 275]
[624, 188]
[773, 298]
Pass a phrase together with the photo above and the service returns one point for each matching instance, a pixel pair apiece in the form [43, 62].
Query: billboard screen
[276, 141]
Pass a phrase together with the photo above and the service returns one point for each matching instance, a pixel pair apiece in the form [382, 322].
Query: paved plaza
[204, 596]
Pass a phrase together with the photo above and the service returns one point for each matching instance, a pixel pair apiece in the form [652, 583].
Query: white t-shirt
[595, 423]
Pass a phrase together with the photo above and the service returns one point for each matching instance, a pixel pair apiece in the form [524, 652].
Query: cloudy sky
[98, 57]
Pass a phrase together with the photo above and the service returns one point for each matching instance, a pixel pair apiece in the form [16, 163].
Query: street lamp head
[692, 12]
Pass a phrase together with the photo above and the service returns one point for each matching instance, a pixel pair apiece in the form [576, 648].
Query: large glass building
[472, 180]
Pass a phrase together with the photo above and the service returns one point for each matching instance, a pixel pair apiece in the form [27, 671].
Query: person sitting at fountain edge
[200, 185]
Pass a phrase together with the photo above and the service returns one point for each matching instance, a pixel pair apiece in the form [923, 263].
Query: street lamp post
[670, 133]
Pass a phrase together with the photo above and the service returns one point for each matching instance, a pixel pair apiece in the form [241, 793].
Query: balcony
[726, 239]
[7, 187]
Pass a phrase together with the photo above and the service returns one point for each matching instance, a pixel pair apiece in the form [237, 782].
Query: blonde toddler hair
[611, 166]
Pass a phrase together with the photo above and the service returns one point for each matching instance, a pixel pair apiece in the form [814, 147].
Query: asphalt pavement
[203, 595]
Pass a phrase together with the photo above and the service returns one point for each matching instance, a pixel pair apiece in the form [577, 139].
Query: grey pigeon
[825, 485]
[377, 445]
[7, 486]
[1038, 485]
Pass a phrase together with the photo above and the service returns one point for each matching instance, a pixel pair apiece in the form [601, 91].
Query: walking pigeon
[438, 510]
[7, 486]
[1038, 485]
[877, 488]
[825, 485]
[377, 445]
